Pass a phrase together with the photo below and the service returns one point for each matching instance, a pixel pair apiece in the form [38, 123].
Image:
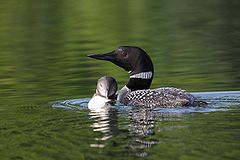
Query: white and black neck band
[143, 75]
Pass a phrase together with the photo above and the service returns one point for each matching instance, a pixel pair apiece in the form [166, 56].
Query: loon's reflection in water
[140, 127]
[142, 122]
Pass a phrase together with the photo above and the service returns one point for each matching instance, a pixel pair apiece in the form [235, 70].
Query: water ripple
[218, 101]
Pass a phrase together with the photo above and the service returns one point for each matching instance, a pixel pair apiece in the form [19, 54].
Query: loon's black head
[134, 60]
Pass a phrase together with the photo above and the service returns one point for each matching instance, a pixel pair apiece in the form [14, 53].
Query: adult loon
[136, 92]
[105, 92]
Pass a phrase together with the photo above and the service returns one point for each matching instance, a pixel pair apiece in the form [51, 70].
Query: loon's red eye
[124, 54]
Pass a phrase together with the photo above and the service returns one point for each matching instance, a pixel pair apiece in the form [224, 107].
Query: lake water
[46, 79]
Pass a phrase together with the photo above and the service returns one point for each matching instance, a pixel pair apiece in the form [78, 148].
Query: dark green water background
[43, 46]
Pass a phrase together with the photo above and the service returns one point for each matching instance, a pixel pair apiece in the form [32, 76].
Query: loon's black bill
[103, 56]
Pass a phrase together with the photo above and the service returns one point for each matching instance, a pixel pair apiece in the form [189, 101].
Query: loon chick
[105, 92]
[136, 92]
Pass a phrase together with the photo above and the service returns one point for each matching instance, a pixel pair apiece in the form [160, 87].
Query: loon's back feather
[164, 97]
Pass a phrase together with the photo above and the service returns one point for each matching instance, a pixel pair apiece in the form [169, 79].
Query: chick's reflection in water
[100, 108]
[104, 123]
